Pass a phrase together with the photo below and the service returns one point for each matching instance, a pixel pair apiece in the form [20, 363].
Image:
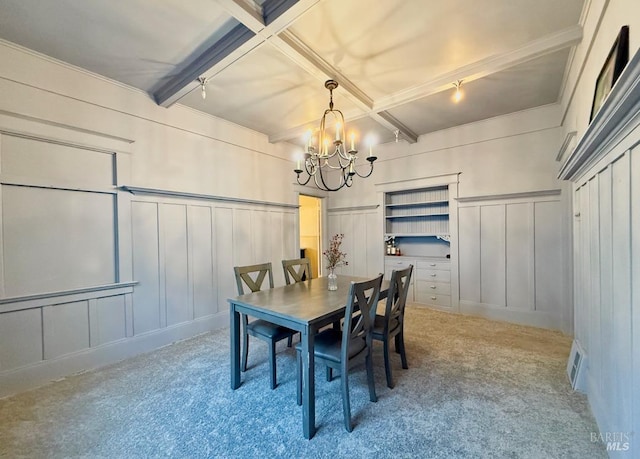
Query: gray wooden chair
[266, 331]
[391, 325]
[344, 349]
[298, 269]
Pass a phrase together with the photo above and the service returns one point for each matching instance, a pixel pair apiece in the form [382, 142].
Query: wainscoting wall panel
[70, 244]
[510, 257]
[261, 240]
[176, 265]
[362, 243]
[548, 256]
[107, 318]
[201, 253]
[146, 267]
[520, 255]
[20, 338]
[492, 255]
[223, 235]
[469, 243]
[66, 328]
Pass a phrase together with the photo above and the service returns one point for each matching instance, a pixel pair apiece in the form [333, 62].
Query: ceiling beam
[185, 81]
[245, 13]
[532, 50]
[254, 28]
[394, 124]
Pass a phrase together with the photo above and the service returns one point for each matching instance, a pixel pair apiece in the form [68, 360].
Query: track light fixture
[458, 95]
[203, 82]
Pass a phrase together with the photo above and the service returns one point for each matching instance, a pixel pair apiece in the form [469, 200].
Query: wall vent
[576, 367]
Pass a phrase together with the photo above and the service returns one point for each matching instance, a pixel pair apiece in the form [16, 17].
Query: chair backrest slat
[260, 271]
[299, 269]
[397, 298]
[362, 295]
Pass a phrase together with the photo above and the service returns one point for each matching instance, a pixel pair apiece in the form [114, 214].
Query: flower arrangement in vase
[335, 257]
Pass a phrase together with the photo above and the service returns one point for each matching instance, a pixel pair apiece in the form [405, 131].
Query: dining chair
[391, 324]
[342, 350]
[298, 269]
[266, 331]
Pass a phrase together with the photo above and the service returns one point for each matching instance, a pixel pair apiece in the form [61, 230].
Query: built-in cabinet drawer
[391, 264]
[439, 265]
[396, 264]
[434, 299]
[433, 275]
[425, 288]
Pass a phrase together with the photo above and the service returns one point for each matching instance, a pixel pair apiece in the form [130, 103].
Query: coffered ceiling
[265, 61]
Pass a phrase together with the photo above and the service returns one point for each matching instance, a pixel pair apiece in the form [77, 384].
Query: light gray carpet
[475, 388]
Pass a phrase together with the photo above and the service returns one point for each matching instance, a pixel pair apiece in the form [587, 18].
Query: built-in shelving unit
[417, 213]
[421, 216]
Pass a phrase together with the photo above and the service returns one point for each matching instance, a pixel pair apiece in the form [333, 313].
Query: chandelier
[331, 152]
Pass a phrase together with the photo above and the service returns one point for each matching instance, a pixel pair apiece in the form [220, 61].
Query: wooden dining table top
[305, 302]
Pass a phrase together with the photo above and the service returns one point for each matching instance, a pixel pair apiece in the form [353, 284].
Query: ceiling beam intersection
[305, 57]
[246, 36]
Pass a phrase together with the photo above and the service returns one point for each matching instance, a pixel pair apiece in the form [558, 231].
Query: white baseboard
[40, 373]
[519, 316]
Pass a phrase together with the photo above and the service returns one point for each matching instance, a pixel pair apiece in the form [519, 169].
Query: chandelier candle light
[331, 154]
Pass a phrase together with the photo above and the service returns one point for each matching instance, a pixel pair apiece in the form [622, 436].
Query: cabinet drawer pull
[434, 298]
[433, 287]
[433, 264]
[433, 275]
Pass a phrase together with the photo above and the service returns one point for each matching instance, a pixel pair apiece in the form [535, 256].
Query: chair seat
[378, 326]
[327, 345]
[269, 330]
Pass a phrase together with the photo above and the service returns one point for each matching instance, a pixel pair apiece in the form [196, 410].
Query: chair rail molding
[136, 190]
[509, 196]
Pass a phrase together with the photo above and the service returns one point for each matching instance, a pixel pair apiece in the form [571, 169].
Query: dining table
[305, 307]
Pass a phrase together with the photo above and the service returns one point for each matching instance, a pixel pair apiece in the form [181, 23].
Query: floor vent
[576, 367]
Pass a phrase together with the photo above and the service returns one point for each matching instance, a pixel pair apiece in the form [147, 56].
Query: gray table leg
[234, 334]
[308, 385]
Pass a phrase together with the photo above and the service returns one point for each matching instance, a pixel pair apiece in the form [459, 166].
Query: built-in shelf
[418, 204]
[438, 235]
[419, 213]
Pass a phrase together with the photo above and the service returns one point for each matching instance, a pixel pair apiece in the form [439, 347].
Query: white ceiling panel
[267, 92]
[527, 85]
[398, 44]
[136, 42]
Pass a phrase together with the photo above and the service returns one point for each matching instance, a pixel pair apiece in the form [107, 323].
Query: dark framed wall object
[611, 70]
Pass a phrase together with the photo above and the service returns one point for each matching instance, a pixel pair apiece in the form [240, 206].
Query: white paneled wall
[510, 257]
[605, 312]
[91, 272]
[64, 289]
[604, 169]
[184, 251]
[362, 243]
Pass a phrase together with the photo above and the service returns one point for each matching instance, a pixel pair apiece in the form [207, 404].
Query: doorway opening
[311, 231]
